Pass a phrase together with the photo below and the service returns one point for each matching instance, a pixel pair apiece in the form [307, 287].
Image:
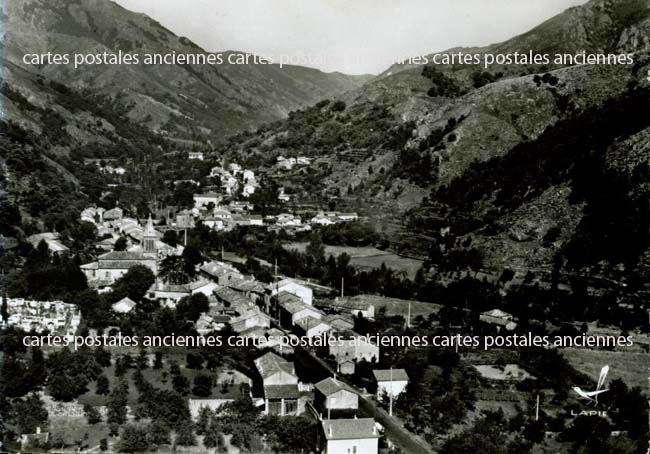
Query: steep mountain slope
[495, 174]
[599, 26]
[181, 99]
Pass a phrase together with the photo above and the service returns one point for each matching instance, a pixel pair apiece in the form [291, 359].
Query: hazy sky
[351, 36]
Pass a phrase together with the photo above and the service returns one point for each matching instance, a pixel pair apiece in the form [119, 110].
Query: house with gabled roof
[168, 294]
[113, 265]
[123, 306]
[202, 285]
[347, 352]
[390, 382]
[311, 326]
[252, 289]
[291, 309]
[347, 436]
[51, 239]
[335, 395]
[252, 318]
[498, 319]
[292, 286]
[220, 272]
[280, 384]
[339, 322]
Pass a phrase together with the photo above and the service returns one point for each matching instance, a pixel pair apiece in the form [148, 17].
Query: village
[238, 331]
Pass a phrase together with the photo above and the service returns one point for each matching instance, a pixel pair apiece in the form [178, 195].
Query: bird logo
[592, 396]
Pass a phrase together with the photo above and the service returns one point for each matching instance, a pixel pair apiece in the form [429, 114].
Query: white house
[311, 326]
[281, 389]
[390, 382]
[255, 219]
[195, 155]
[203, 200]
[347, 217]
[248, 175]
[288, 285]
[321, 219]
[202, 286]
[248, 190]
[282, 196]
[234, 168]
[123, 306]
[333, 394]
[214, 223]
[498, 319]
[349, 351]
[348, 436]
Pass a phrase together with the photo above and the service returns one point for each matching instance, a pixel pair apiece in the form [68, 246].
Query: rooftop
[270, 364]
[123, 255]
[349, 429]
[390, 375]
[331, 386]
[281, 392]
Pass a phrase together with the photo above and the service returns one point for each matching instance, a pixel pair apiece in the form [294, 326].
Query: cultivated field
[368, 257]
[632, 368]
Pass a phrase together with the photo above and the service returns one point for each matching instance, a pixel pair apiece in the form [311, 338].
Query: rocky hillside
[599, 26]
[186, 101]
[506, 165]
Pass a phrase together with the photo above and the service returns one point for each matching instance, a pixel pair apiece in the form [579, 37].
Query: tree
[157, 361]
[194, 360]
[158, 433]
[102, 386]
[116, 405]
[338, 106]
[120, 244]
[192, 256]
[588, 431]
[181, 384]
[29, 413]
[203, 421]
[185, 435]
[133, 439]
[202, 385]
[92, 414]
[176, 270]
[103, 444]
[170, 237]
[212, 438]
[316, 254]
[103, 357]
[62, 387]
[190, 308]
[134, 283]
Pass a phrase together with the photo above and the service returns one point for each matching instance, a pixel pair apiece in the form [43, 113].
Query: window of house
[291, 406]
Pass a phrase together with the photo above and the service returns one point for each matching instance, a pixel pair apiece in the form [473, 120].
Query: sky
[350, 36]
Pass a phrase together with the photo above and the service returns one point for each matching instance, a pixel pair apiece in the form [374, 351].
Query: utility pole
[342, 285]
[390, 393]
[537, 409]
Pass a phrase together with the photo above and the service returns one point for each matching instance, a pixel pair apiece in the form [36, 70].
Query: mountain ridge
[219, 99]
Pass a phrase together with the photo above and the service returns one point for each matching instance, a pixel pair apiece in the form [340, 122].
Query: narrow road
[408, 442]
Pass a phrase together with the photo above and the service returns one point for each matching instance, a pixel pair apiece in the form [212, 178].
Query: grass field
[368, 257]
[632, 368]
